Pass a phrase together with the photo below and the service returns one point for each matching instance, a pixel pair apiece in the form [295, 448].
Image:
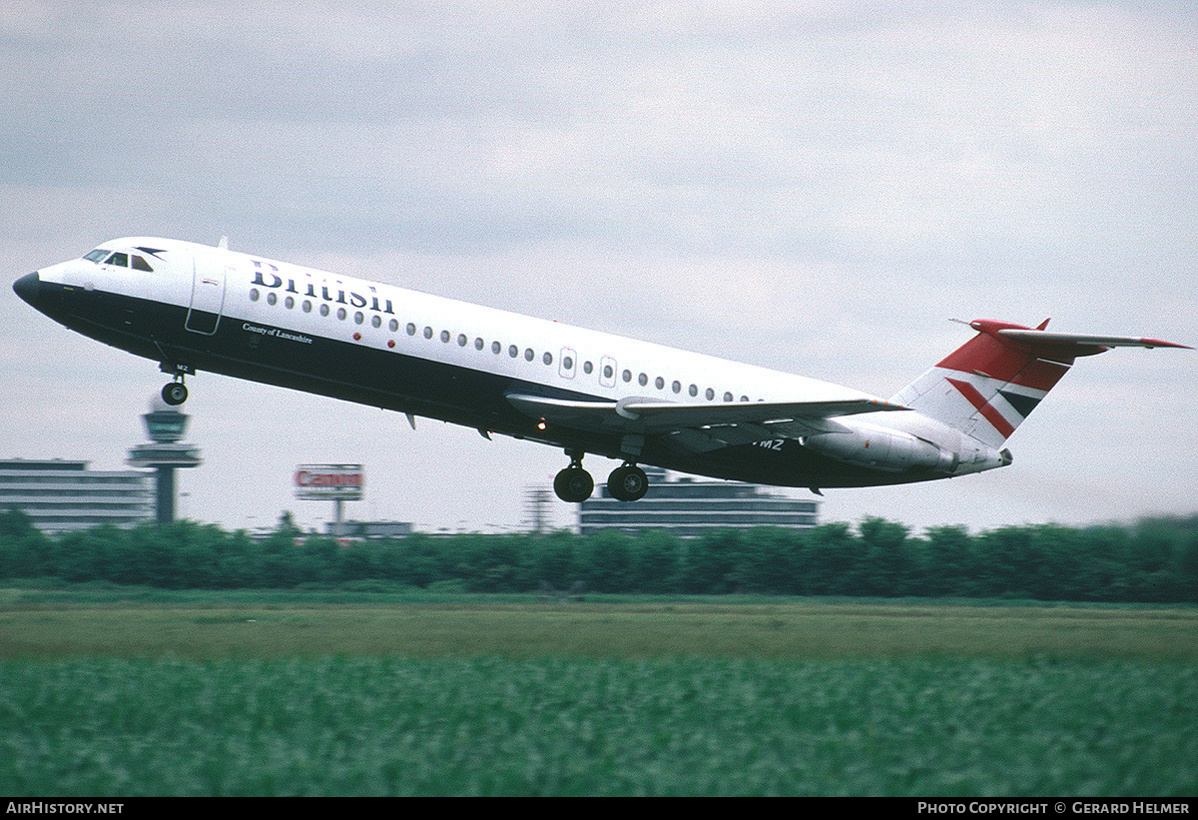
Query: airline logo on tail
[989, 385]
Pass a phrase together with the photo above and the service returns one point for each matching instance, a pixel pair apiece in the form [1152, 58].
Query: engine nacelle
[881, 449]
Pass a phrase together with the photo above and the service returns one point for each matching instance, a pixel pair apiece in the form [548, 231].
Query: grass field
[271, 694]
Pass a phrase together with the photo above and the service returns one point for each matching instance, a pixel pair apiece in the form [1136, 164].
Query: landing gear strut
[574, 484]
[628, 482]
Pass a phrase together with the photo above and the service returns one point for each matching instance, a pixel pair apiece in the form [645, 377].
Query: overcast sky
[814, 187]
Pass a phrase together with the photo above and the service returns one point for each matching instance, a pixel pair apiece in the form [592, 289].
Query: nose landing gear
[175, 393]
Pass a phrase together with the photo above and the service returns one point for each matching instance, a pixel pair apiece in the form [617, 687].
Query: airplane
[193, 307]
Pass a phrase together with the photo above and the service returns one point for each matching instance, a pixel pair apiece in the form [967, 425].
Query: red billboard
[325, 481]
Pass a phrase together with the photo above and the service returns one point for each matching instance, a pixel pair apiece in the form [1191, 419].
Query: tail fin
[990, 384]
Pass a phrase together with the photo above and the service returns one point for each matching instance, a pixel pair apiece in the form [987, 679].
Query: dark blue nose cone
[27, 288]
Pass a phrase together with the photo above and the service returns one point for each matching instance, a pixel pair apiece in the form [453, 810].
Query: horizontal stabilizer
[1100, 343]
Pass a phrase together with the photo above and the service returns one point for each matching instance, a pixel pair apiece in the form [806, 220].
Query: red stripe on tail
[988, 411]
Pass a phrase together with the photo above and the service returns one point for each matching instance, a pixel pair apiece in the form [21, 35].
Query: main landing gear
[574, 485]
[628, 482]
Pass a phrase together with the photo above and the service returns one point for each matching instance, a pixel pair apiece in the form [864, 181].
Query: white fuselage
[195, 308]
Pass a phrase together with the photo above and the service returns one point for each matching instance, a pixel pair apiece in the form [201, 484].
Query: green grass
[212, 694]
[559, 726]
[521, 627]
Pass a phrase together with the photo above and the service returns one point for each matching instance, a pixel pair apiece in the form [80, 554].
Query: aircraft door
[207, 294]
[607, 371]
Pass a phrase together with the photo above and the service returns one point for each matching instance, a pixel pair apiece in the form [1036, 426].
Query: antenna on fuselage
[223, 244]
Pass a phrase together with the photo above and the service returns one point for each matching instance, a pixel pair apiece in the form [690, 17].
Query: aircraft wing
[699, 427]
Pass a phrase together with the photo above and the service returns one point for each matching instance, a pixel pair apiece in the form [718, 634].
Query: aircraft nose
[27, 287]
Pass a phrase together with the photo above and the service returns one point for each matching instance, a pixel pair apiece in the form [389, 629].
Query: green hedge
[1154, 560]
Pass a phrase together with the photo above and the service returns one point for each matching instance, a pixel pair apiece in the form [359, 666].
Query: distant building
[60, 496]
[369, 529]
[691, 507]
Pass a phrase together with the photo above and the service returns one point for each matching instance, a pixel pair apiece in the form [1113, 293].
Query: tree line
[1152, 560]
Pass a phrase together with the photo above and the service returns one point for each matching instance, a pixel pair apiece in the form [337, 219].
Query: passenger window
[119, 259]
[141, 264]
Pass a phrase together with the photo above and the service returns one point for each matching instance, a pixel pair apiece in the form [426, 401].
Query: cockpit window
[121, 259]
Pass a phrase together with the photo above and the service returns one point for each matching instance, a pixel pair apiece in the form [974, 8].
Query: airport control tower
[165, 426]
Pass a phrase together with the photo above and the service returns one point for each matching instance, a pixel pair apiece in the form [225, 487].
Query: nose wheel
[574, 484]
[175, 393]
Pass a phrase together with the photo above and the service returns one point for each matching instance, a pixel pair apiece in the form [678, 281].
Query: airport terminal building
[690, 507]
[60, 496]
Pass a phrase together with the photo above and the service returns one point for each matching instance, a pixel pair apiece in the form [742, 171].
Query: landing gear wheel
[628, 483]
[174, 393]
[573, 485]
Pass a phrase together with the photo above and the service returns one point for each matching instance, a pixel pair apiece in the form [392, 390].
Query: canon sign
[344, 481]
